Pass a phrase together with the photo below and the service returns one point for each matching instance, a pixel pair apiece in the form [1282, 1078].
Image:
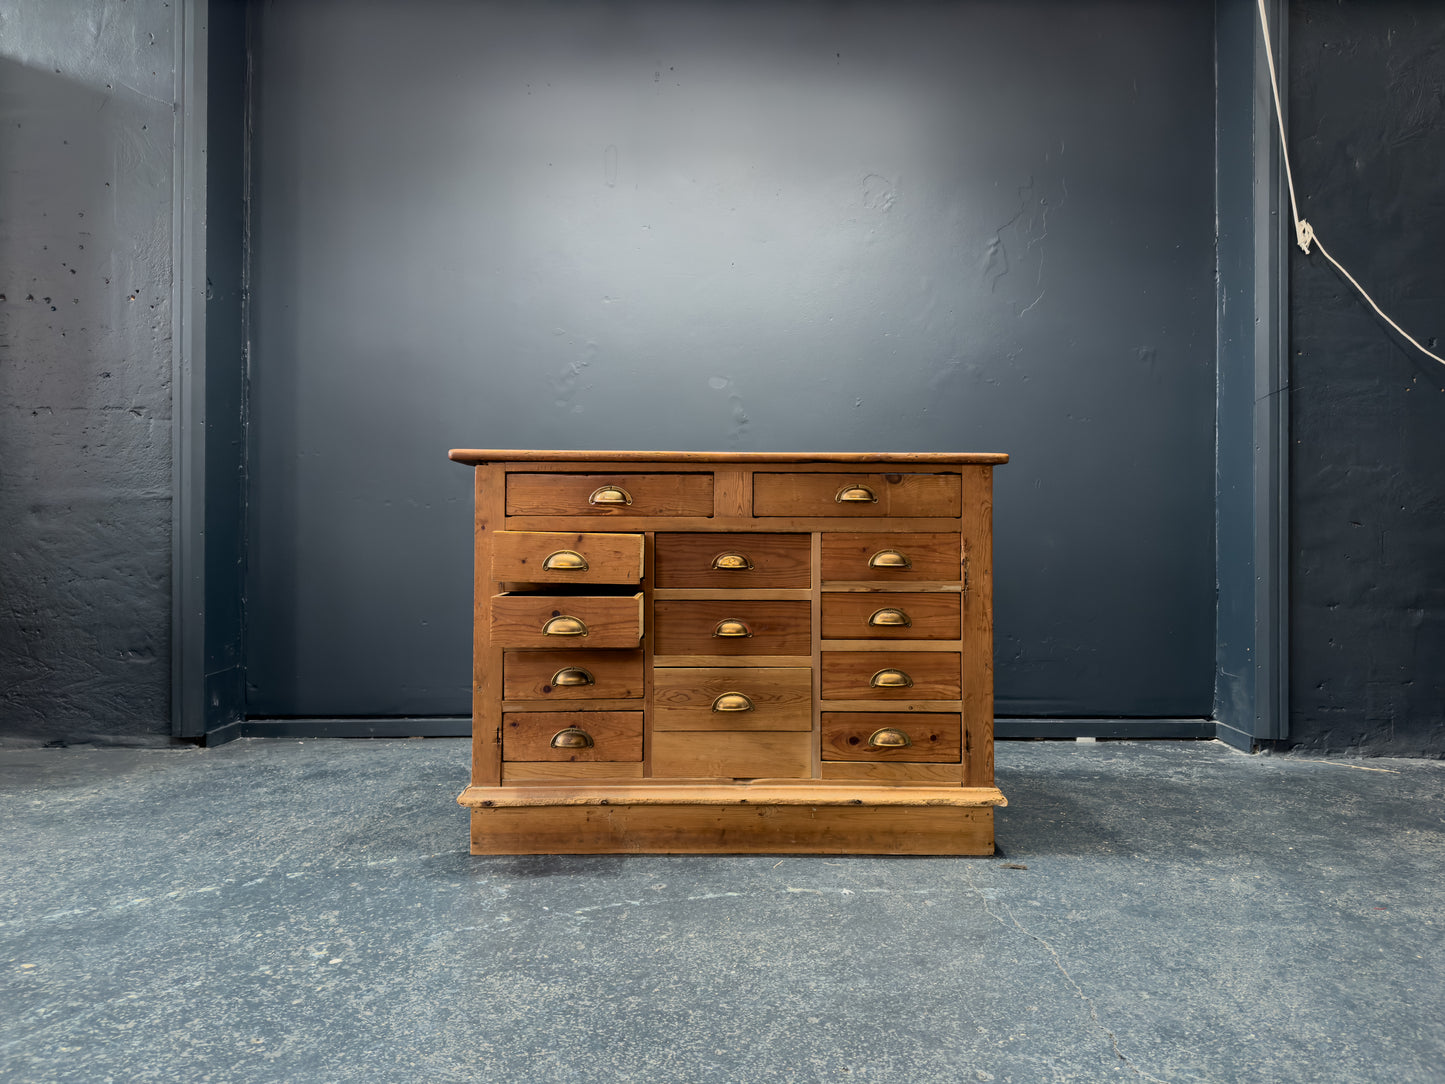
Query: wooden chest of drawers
[682, 652]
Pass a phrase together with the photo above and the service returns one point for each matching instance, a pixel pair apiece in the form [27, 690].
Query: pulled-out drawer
[570, 621]
[897, 558]
[732, 698]
[863, 495]
[550, 557]
[619, 494]
[572, 736]
[922, 737]
[572, 675]
[734, 560]
[891, 675]
[728, 627]
[888, 615]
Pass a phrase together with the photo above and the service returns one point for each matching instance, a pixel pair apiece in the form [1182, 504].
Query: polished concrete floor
[306, 911]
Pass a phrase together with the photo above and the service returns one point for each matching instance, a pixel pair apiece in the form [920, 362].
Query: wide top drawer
[621, 495]
[554, 557]
[860, 495]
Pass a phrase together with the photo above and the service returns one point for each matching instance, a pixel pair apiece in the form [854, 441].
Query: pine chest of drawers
[685, 652]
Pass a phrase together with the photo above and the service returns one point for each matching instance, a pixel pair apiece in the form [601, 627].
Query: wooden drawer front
[894, 495]
[933, 737]
[553, 735]
[732, 698]
[690, 627]
[619, 495]
[901, 558]
[734, 560]
[583, 675]
[891, 675]
[528, 620]
[847, 616]
[729, 755]
[544, 557]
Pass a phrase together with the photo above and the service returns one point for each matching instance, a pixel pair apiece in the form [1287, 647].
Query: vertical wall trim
[1271, 416]
[188, 373]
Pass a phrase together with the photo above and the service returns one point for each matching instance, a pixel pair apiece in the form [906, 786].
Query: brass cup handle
[731, 629]
[574, 737]
[732, 562]
[562, 625]
[889, 559]
[564, 561]
[571, 677]
[889, 738]
[891, 679]
[610, 495]
[856, 495]
[889, 618]
[732, 702]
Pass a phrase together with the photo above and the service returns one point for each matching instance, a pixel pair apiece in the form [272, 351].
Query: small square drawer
[889, 615]
[621, 495]
[732, 698]
[567, 621]
[919, 737]
[891, 675]
[572, 735]
[726, 627]
[862, 495]
[545, 557]
[896, 558]
[734, 560]
[732, 755]
[572, 675]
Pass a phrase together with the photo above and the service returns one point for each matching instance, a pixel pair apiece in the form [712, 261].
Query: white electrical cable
[1304, 233]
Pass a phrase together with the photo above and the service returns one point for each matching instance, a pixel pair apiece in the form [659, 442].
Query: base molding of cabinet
[739, 828]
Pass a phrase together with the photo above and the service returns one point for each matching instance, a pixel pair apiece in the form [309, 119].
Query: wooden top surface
[493, 455]
[780, 792]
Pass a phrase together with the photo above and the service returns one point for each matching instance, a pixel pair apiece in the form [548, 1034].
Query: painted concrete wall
[1368, 579]
[86, 92]
[798, 226]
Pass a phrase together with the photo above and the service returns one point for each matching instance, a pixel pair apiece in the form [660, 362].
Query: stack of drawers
[678, 652]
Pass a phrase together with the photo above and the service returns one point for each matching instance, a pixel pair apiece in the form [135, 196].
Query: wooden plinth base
[738, 827]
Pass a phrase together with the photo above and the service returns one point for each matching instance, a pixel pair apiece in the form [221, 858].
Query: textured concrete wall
[86, 108]
[1368, 575]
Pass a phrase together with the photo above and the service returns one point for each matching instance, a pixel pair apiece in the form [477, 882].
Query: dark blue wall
[798, 226]
[1368, 576]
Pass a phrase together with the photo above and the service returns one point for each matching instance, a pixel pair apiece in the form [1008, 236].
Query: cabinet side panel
[486, 659]
[977, 675]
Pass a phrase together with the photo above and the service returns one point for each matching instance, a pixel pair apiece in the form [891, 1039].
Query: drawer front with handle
[862, 495]
[546, 557]
[732, 698]
[620, 495]
[891, 675]
[572, 675]
[734, 560]
[572, 736]
[566, 621]
[891, 557]
[919, 737]
[887, 615]
[725, 627]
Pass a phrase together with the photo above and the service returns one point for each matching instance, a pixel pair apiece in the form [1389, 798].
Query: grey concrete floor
[307, 911]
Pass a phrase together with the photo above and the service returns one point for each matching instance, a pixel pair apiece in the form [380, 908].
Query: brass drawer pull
[562, 625]
[891, 679]
[570, 677]
[889, 559]
[888, 738]
[732, 562]
[573, 737]
[856, 495]
[610, 495]
[732, 702]
[564, 561]
[889, 618]
[730, 628]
